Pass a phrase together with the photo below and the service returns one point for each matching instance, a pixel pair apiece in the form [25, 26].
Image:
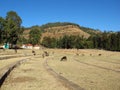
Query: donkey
[64, 58]
[33, 52]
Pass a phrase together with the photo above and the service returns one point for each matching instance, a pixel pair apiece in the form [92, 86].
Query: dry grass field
[90, 69]
[90, 72]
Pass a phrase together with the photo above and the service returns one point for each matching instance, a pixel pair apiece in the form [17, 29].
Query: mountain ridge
[60, 29]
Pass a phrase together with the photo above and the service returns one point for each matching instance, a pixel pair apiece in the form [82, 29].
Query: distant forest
[106, 40]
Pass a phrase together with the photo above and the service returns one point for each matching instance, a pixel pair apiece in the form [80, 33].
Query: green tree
[34, 36]
[2, 28]
[118, 41]
[65, 42]
[49, 42]
[90, 42]
[13, 28]
[97, 41]
[113, 43]
[78, 42]
[13, 16]
[104, 39]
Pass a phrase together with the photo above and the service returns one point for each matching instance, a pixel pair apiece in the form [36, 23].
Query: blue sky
[97, 14]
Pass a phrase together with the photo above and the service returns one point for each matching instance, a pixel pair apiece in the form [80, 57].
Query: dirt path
[5, 71]
[71, 85]
[32, 76]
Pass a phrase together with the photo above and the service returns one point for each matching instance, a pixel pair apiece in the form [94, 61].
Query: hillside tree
[34, 36]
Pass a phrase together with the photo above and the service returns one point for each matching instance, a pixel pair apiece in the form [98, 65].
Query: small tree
[34, 36]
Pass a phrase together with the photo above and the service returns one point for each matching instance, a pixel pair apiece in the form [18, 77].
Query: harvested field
[87, 69]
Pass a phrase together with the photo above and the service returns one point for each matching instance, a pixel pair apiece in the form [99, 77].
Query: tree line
[56, 24]
[107, 41]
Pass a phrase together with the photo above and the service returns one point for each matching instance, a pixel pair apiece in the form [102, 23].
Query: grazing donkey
[33, 52]
[46, 53]
[64, 58]
[99, 54]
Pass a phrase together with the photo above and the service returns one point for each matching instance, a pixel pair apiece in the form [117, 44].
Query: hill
[59, 29]
[73, 36]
